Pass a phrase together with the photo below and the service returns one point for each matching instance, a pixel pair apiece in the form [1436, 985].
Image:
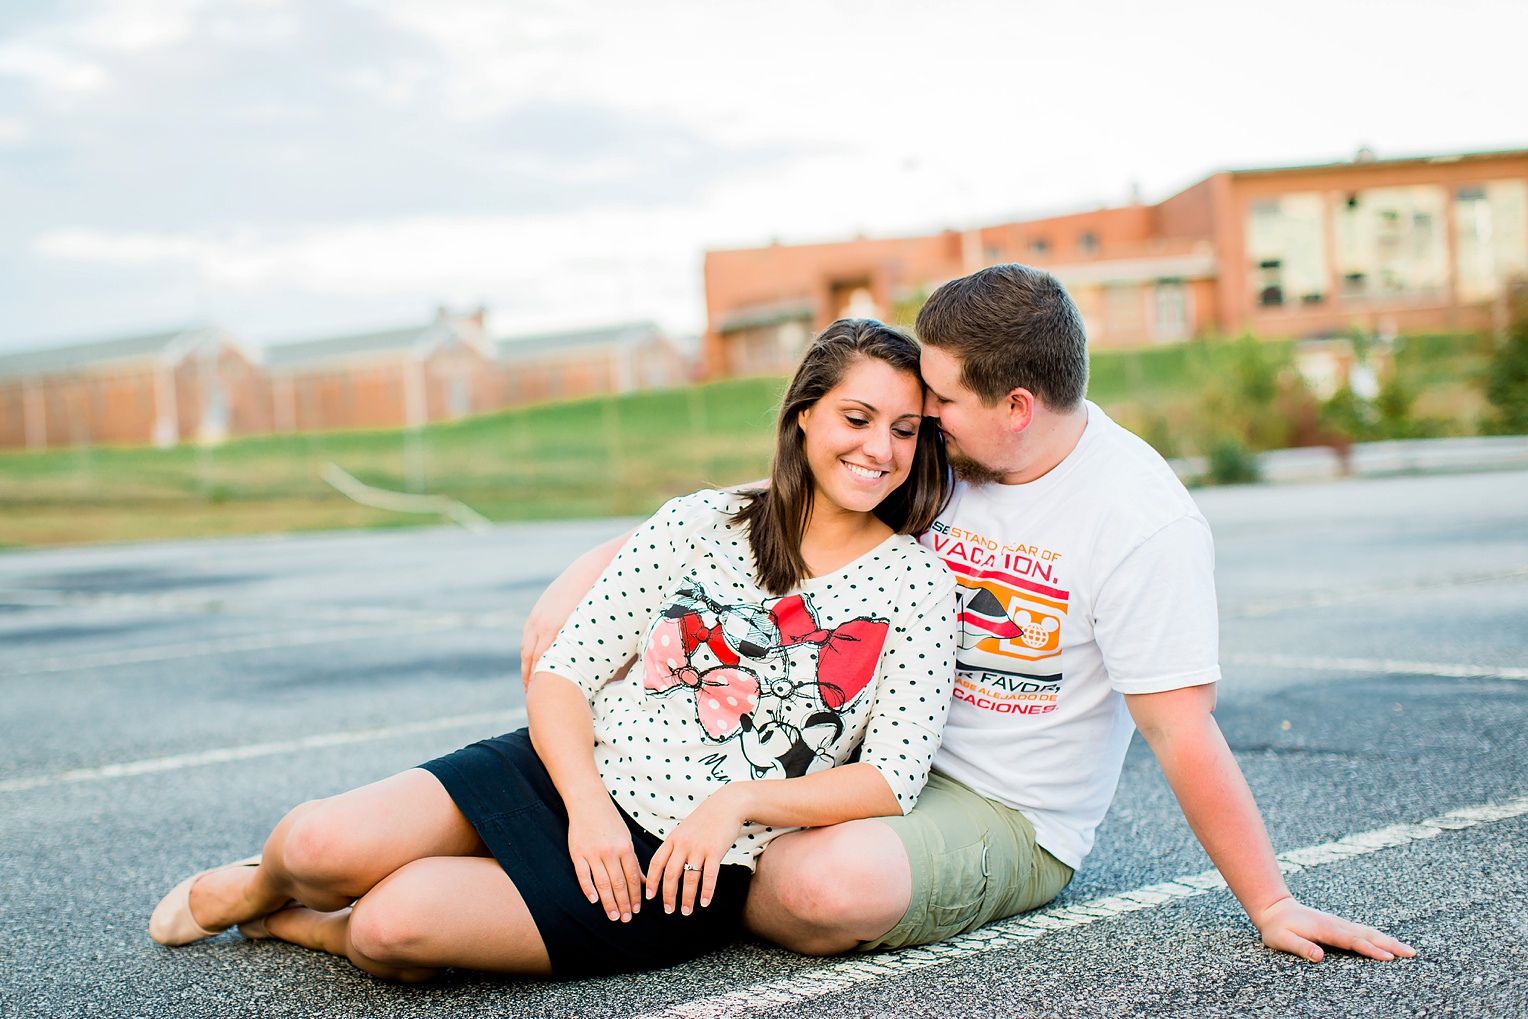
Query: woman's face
[861, 436]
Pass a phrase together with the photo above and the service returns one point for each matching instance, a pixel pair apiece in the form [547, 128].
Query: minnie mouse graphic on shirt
[783, 709]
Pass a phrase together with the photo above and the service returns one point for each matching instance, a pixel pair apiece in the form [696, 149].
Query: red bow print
[722, 695]
[848, 654]
[695, 633]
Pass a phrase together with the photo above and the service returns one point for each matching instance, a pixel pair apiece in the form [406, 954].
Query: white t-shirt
[1093, 581]
[735, 684]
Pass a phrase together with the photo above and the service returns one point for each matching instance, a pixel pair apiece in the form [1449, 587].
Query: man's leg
[822, 891]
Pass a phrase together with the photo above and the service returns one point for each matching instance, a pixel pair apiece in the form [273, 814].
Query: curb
[1368, 459]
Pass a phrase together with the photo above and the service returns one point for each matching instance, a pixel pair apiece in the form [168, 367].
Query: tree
[1507, 375]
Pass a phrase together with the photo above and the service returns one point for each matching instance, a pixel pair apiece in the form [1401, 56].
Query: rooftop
[96, 352]
[514, 348]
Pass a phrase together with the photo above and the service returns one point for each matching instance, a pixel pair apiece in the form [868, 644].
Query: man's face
[975, 435]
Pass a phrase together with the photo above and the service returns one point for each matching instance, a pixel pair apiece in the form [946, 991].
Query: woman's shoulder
[707, 508]
[902, 554]
[706, 501]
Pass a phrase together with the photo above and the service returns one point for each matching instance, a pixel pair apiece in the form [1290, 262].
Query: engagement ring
[690, 866]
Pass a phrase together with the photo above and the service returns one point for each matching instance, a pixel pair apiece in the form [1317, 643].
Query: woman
[779, 631]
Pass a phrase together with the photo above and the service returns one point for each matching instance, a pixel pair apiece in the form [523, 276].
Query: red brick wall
[1209, 217]
[1239, 308]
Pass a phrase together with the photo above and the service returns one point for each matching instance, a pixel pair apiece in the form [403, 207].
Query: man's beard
[973, 473]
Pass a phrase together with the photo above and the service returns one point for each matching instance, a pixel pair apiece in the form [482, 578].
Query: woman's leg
[327, 853]
[425, 916]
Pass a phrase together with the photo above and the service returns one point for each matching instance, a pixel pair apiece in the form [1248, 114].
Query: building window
[993, 254]
[1087, 242]
[1039, 246]
[458, 397]
[852, 299]
[1172, 311]
[1390, 243]
[1286, 247]
[1270, 283]
[1490, 236]
[1124, 314]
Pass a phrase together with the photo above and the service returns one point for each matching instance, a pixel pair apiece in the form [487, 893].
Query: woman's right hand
[603, 857]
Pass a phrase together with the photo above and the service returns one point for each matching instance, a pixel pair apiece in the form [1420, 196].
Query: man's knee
[824, 890]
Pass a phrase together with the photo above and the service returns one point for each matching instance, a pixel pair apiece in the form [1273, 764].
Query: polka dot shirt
[734, 684]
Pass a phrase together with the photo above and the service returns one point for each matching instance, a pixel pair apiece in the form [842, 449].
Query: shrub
[1160, 435]
[1231, 462]
[1350, 417]
[1507, 376]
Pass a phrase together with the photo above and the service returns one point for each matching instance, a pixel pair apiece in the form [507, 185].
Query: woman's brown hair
[776, 516]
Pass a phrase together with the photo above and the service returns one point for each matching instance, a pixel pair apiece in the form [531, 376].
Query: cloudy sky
[297, 168]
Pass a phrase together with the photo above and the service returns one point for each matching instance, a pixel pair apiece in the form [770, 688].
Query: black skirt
[504, 791]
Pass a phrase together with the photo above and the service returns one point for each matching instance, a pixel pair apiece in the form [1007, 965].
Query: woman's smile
[868, 473]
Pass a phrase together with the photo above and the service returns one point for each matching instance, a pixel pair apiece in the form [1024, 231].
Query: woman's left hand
[691, 857]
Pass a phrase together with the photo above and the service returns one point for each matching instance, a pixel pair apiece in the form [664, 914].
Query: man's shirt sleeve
[1155, 617]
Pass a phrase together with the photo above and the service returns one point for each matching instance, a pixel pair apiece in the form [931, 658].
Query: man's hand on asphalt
[1288, 926]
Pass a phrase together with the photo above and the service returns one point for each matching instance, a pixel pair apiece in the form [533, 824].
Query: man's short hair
[1010, 327]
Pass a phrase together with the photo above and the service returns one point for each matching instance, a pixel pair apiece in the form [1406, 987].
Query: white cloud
[74, 56]
[140, 25]
[14, 130]
[51, 67]
[82, 244]
[875, 116]
[552, 270]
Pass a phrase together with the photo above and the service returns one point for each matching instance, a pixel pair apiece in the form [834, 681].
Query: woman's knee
[313, 845]
[392, 925]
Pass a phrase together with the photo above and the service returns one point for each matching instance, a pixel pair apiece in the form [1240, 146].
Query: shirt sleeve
[1155, 617]
[606, 629]
[915, 681]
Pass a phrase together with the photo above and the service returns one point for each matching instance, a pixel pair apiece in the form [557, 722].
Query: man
[1087, 609]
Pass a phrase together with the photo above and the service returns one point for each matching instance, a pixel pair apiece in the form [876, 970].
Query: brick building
[439, 371]
[190, 384]
[1386, 245]
[566, 365]
[202, 385]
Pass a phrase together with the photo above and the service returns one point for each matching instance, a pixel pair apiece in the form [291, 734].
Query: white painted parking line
[219, 646]
[1379, 665]
[844, 973]
[1343, 596]
[186, 604]
[223, 755]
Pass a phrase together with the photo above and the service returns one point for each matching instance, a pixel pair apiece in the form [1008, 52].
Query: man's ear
[1021, 409]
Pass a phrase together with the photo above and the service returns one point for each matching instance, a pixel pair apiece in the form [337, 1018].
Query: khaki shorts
[973, 861]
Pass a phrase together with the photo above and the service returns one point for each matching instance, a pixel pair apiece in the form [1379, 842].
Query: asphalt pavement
[162, 705]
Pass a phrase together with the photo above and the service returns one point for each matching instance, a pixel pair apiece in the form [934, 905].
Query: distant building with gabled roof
[441, 370]
[201, 384]
[586, 362]
[162, 388]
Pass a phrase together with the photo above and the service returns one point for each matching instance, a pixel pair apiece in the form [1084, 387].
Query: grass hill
[620, 455]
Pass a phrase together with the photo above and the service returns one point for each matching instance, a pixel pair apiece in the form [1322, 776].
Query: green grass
[599, 457]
